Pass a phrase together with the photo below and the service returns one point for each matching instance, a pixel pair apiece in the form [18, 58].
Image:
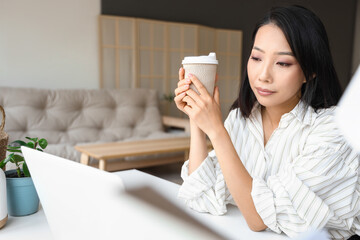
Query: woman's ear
[313, 76]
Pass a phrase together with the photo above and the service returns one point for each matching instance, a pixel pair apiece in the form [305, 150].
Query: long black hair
[309, 43]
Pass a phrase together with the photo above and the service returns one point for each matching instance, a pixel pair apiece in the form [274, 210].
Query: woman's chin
[265, 102]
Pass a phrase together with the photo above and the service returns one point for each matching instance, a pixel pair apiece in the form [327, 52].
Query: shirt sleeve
[205, 190]
[319, 188]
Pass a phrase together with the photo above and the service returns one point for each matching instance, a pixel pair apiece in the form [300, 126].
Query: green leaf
[39, 149]
[18, 159]
[26, 170]
[43, 143]
[32, 139]
[30, 145]
[13, 147]
[17, 143]
[6, 160]
[10, 150]
[18, 172]
[169, 97]
[10, 157]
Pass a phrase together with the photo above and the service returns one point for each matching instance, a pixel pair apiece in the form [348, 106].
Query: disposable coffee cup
[204, 68]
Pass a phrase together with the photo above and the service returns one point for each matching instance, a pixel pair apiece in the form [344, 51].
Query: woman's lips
[264, 92]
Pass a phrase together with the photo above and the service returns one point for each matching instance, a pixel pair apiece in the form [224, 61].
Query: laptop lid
[348, 111]
[82, 202]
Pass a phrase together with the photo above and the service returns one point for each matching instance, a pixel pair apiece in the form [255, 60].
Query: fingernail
[190, 75]
[187, 80]
[180, 69]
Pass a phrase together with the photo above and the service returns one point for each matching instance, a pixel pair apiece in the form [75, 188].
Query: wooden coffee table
[106, 151]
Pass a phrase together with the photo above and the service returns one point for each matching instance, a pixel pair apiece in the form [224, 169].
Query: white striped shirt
[305, 177]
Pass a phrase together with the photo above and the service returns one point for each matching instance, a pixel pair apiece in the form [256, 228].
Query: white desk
[232, 225]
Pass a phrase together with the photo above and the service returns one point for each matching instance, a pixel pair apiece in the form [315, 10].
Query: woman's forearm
[237, 178]
[198, 147]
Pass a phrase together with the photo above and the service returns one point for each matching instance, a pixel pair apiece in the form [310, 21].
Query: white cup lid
[210, 59]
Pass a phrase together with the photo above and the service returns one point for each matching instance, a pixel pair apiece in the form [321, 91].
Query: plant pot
[22, 197]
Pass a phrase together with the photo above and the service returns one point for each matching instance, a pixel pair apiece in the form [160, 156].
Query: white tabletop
[231, 225]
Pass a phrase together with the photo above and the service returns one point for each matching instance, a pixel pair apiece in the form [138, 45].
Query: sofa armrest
[176, 122]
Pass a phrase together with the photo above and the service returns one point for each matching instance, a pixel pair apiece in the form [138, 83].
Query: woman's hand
[180, 91]
[202, 108]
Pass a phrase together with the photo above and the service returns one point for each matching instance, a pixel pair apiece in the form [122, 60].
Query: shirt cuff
[264, 203]
[199, 181]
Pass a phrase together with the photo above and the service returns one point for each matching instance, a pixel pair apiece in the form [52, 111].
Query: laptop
[82, 202]
[348, 112]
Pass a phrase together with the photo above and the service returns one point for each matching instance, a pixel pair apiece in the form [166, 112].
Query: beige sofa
[72, 117]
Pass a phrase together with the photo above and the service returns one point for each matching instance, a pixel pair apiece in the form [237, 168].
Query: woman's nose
[265, 73]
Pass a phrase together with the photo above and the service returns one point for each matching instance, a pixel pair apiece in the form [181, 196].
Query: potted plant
[168, 103]
[21, 194]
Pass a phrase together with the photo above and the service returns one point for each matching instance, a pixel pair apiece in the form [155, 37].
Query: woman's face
[275, 75]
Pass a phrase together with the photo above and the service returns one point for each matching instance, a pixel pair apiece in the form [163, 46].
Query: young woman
[279, 155]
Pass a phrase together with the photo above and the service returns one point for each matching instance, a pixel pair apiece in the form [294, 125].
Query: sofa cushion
[80, 116]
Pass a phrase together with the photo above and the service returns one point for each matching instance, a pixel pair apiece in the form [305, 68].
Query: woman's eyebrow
[278, 53]
[259, 49]
[285, 53]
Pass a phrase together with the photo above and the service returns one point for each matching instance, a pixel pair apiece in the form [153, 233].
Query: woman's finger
[181, 89]
[179, 103]
[184, 82]
[189, 101]
[179, 98]
[195, 96]
[181, 73]
[187, 110]
[217, 95]
[199, 86]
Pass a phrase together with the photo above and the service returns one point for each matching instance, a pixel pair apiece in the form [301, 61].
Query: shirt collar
[302, 112]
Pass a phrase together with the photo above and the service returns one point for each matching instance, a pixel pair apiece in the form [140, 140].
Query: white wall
[49, 43]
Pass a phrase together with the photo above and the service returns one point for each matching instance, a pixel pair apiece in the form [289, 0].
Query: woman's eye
[255, 58]
[282, 64]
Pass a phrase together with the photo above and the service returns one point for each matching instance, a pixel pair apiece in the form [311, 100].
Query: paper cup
[204, 68]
